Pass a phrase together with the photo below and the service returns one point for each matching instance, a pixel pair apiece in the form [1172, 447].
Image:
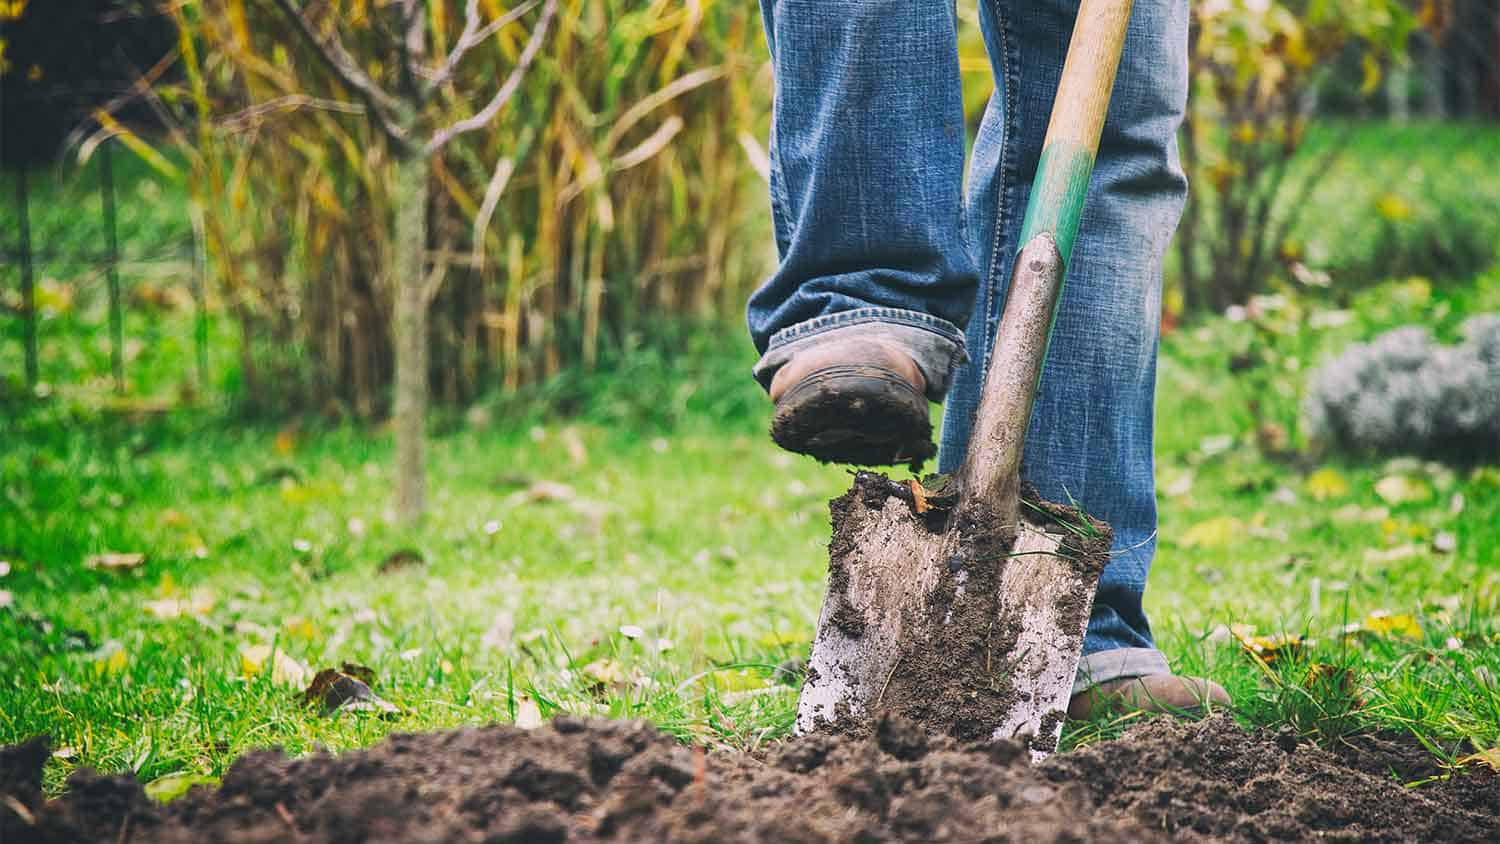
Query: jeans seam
[1007, 134]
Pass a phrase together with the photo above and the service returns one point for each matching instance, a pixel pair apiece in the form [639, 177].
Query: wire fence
[75, 286]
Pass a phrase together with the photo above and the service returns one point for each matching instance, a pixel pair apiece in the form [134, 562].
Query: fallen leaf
[286, 669]
[299, 627]
[110, 561]
[1269, 649]
[200, 604]
[918, 497]
[528, 714]
[1385, 623]
[165, 789]
[111, 664]
[500, 632]
[546, 491]
[338, 691]
[1217, 532]
[1444, 542]
[1210, 446]
[1356, 513]
[400, 559]
[1393, 555]
[736, 680]
[1489, 758]
[605, 672]
[574, 446]
[1177, 483]
[1327, 483]
[359, 672]
[1402, 489]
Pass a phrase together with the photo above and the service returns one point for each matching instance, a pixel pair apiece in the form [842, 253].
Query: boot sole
[856, 413]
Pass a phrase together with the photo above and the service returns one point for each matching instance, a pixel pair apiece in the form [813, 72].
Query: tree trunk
[411, 337]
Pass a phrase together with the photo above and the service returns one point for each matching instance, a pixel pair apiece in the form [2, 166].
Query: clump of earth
[595, 780]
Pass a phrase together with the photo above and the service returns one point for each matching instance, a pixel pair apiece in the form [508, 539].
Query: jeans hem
[1118, 663]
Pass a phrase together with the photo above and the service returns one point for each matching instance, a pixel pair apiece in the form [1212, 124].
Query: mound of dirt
[592, 780]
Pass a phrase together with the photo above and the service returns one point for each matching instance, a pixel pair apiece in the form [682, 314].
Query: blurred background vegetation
[197, 363]
[1330, 145]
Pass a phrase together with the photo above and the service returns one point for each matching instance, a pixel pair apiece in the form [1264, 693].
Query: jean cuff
[1118, 663]
[935, 344]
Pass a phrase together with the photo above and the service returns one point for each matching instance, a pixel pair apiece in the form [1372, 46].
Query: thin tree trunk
[411, 337]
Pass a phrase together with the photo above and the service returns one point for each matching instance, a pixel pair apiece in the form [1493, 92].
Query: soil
[594, 780]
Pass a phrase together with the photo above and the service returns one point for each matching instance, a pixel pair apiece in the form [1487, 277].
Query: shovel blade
[979, 648]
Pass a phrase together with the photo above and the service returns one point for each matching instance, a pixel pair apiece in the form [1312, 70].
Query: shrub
[1405, 394]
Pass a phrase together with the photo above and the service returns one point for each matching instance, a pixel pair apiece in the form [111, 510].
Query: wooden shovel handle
[990, 477]
[1062, 177]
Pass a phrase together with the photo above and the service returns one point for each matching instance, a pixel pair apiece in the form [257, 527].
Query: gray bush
[1403, 393]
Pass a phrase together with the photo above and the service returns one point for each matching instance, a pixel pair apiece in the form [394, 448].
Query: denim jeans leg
[1091, 437]
[866, 149]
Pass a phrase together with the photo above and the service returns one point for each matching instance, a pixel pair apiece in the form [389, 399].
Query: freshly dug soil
[578, 780]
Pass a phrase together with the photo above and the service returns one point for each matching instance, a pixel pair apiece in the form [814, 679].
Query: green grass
[687, 523]
[684, 521]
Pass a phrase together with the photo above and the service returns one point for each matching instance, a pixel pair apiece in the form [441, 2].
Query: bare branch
[507, 90]
[503, 170]
[242, 119]
[473, 36]
[343, 65]
[671, 91]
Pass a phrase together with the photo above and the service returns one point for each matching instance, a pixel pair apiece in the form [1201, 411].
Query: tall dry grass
[618, 185]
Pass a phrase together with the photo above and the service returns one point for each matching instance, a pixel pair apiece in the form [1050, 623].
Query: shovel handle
[990, 477]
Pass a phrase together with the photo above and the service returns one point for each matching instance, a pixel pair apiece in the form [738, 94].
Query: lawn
[653, 555]
[631, 544]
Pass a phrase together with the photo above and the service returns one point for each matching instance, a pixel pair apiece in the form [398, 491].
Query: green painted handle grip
[1062, 176]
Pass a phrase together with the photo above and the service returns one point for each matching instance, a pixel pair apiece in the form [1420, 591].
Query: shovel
[963, 607]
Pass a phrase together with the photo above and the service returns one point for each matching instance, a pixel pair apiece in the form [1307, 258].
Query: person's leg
[1090, 440]
[866, 149]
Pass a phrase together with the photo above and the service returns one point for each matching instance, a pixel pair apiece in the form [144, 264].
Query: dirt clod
[592, 780]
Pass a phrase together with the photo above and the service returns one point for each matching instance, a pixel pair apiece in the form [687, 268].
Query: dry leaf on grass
[1402, 489]
[347, 689]
[1393, 555]
[401, 558]
[1217, 532]
[528, 714]
[286, 670]
[1268, 649]
[198, 605]
[1327, 483]
[112, 561]
[1386, 623]
[1489, 758]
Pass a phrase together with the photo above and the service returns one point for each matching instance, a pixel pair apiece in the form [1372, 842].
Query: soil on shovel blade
[955, 665]
[593, 780]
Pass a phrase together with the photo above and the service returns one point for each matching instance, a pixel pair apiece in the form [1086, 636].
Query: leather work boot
[859, 401]
[1153, 693]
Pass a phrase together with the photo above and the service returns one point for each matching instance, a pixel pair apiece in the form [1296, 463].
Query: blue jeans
[877, 234]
